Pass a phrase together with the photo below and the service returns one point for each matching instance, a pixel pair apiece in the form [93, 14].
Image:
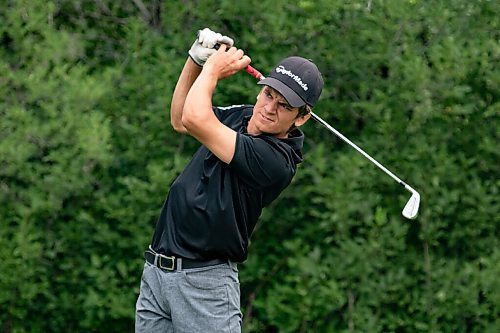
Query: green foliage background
[87, 156]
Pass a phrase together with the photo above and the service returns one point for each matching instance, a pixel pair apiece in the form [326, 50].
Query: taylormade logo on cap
[296, 78]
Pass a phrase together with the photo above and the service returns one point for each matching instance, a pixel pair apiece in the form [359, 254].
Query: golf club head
[411, 208]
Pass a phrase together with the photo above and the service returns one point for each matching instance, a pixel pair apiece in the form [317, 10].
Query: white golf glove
[203, 46]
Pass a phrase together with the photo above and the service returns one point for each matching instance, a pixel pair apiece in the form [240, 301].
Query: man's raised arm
[188, 75]
[198, 117]
[201, 49]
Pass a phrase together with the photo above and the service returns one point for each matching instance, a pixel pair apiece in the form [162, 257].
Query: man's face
[273, 115]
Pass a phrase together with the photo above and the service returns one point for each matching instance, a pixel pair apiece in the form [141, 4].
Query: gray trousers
[189, 300]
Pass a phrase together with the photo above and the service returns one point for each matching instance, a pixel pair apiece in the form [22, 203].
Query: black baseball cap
[297, 79]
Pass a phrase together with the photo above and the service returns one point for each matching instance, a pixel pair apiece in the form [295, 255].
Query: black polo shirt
[212, 207]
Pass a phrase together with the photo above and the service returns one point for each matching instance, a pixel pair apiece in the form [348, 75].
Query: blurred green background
[87, 156]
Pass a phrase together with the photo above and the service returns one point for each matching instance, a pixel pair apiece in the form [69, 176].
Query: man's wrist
[194, 60]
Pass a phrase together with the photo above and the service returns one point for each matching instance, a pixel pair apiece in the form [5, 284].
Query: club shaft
[256, 74]
[361, 151]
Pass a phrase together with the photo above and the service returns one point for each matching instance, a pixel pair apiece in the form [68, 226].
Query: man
[249, 154]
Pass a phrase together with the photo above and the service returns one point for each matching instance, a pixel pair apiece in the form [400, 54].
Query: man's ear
[302, 120]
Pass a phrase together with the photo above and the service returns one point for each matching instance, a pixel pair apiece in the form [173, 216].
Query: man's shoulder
[234, 107]
[233, 114]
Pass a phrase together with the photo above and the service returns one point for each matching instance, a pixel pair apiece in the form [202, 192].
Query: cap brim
[291, 96]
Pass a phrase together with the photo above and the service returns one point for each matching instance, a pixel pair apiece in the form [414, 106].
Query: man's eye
[286, 106]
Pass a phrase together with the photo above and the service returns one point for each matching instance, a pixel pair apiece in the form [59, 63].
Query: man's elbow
[190, 120]
[179, 128]
[177, 125]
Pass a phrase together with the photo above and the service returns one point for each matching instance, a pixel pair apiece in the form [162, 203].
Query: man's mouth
[266, 118]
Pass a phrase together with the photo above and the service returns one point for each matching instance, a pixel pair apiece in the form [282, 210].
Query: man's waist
[171, 263]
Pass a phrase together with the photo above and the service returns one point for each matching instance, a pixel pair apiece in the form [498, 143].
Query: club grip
[249, 69]
[255, 73]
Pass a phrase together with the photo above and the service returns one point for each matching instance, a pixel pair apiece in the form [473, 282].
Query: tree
[87, 158]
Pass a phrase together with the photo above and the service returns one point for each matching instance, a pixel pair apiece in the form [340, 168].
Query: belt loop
[179, 264]
[156, 260]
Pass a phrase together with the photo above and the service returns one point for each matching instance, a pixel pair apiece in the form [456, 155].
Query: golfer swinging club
[248, 155]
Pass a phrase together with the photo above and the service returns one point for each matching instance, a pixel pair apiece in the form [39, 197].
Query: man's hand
[226, 62]
[203, 46]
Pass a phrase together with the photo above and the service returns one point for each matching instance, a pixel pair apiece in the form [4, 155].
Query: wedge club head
[411, 208]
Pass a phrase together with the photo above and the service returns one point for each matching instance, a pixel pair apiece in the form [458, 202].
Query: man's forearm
[198, 102]
[188, 76]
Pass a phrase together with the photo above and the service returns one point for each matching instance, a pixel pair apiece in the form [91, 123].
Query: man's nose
[271, 106]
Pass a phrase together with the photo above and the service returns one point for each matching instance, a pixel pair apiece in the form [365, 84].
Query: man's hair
[304, 110]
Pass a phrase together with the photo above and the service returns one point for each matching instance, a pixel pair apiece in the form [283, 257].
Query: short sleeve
[223, 112]
[261, 162]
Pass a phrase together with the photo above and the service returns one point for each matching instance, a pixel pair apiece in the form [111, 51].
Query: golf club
[410, 210]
